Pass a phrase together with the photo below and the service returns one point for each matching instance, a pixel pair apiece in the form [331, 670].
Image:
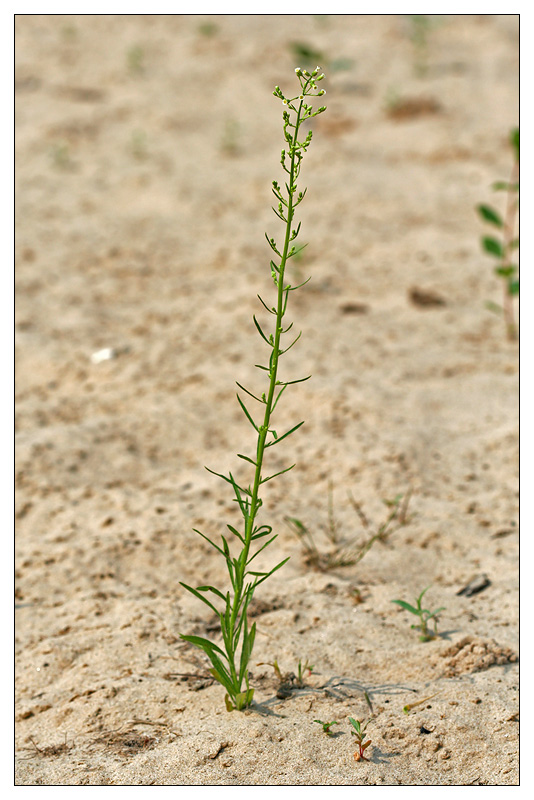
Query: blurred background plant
[502, 247]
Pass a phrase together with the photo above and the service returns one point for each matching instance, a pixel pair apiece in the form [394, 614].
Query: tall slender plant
[230, 659]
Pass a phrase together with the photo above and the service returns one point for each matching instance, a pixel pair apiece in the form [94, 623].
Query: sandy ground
[146, 147]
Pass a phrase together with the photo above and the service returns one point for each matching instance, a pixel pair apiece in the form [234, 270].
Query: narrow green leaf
[243, 504]
[291, 345]
[245, 410]
[244, 699]
[421, 596]
[435, 613]
[296, 250]
[277, 398]
[246, 458]
[199, 596]
[204, 644]
[222, 676]
[272, 245]
[406, 606]
[219, 475]
[294, 288]
[216, 546]
[276, 441]
[268, 574]
[258, 326]
[262, 548]
[212, 589]
[259, 399]
[246, 651]
[492, 246]
[289, 383]
[270, 310]
[490, 215]
[278, 214]
[276, 474]
[259, 533]
[235, 532]
[513, 288]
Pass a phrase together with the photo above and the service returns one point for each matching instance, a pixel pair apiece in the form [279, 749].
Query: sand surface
[146, 147]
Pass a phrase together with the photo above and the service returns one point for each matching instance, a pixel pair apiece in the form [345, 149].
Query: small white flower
[321, 92]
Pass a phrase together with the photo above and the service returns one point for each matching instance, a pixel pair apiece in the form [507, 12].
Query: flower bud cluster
[308, 83]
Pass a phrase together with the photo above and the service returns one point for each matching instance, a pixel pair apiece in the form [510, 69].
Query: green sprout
[301, 669]
[326, 726]
[424, 617]
[231, 657]
[502, 247]
[359, 733]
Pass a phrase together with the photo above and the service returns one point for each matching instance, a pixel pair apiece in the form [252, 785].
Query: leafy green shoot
[425, 616]
[359, 732]
[326, 726]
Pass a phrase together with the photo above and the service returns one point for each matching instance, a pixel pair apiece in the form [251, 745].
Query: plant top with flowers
[230, 657]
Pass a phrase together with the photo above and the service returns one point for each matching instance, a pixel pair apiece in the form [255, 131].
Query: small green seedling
[424, 617]
[289, 677]
[502, 247]
[326, 726]
[359, 733]
[301, 669]
[230, 656]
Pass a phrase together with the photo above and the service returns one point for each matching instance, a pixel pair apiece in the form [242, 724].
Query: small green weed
[208, 28]
[135, 59]
[359, 733]
[340, 552]
[425, 616]
[420, 26]
[502, 248]
[290, 677]
[230, 661]
[326, 726]
[309, 55]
